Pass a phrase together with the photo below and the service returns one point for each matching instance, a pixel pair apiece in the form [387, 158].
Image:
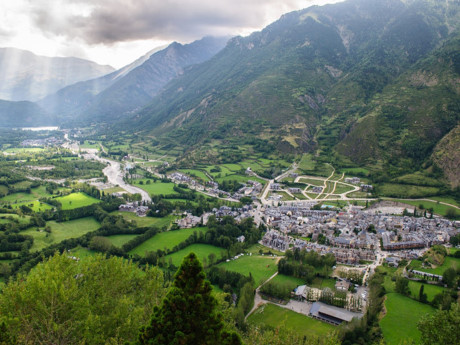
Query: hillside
[29, 77]
[326, 80]
[23, 114]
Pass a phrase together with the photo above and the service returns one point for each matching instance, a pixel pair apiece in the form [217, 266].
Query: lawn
[312, 182]
[401, 318]
[145, 221]
[342, 188]
[156, 188]
[61, 231]
[256, 248]
[274, 316]
[167, 239]
[201, 251]
[76, 200]
[261, 267]
[120, 240]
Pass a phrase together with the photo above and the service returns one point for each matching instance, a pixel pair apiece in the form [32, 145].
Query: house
[240, 239]
[353, 180]
[317, 190]
[275, 186]
[295, 190]
[366, 187]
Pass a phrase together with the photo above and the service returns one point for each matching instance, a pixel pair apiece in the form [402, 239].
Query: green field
[406, 191]
[261, 267]
[256, 248]
[197, 173]
[119, 240]
[342, 188]
[25, 150]
[145, 221]
[201, 251]
[322, 283]
[35, 194]
[81, 252]
[21, 219]
[437, 208]
[167, 239]
[36, 206]
[76, 200]
[313, 182]
[274, 316]
[281, 279]
[400, 320]
[156, 188]
[61, 231]
[448, 262]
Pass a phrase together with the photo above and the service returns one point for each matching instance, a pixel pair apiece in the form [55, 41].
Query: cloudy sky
[116, 32]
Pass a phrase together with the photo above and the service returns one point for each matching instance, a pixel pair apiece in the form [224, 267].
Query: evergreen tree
[422, 296]
[188, 315]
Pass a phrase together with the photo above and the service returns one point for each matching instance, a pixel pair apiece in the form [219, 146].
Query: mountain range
[29, 77]
[372, 83]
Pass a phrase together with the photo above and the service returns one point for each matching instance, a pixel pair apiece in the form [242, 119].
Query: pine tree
[187, 315]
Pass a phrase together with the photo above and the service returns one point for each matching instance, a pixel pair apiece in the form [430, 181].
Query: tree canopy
[90, 301]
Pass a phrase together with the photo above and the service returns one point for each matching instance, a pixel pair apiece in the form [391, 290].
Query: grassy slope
[274, 316]
[400, 321]
[201, 250]
[76, 200]
[163, 240]
[61, 231]
[261, 267]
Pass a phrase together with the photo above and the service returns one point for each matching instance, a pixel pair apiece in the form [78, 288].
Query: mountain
[76, 97]
[26, 76]
[356, 83]
[23, 114]
[128, 89]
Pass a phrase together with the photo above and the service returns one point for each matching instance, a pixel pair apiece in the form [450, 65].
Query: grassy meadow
[76, 200]
[201, 251]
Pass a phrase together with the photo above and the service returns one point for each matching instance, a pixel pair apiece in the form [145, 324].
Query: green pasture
[61, 231]
[120, 240]
[401, 318]
[437, 208]
[282, 279]
[201, 251]
[274, 316]
[145, 221]
[313, 182]
[193, 172]
[156, 188]
[36, 206]
[5, 218]
[260, 267]
[165, 240]
[406, 191]
[76, 200]
[25, 150]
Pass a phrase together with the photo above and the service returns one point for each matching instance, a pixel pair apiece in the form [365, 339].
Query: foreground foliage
[91, 301]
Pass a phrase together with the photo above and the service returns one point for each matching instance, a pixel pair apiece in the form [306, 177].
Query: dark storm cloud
[110, 21]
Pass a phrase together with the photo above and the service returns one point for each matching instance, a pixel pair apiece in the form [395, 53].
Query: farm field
[167, 239]
[119, 240]
[201, 251]
[156, 188]
[261, 267]
[61, 231]
[274, 316]
[197, 173]
[76, 200]
[402, 313]
[4, 218]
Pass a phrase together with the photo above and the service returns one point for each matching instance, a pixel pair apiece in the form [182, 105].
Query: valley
[134, 203]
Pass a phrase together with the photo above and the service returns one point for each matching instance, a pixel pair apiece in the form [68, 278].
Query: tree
[100, 243]
[91, 301]
[402, 286]
[449, 277]
[421, 295]
[441, 328]
[188, 313]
